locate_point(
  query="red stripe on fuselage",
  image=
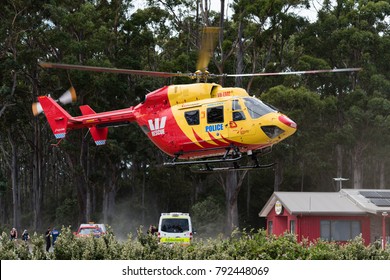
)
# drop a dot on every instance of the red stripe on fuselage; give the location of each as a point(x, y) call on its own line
point(217, 141)
point(206, 144)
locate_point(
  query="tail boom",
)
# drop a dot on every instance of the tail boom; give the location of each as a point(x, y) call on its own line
point(61, 121)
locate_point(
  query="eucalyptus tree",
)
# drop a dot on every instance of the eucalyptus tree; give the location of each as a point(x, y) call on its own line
point(256, 24)
point(20, 49)
point(263, 35)
point(85, 32)
point(298, 156)
point(352, 34)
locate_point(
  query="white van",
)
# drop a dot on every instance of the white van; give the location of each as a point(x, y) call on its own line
point(175, 228)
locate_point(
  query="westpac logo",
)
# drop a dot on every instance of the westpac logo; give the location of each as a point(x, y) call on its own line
point(157, 126)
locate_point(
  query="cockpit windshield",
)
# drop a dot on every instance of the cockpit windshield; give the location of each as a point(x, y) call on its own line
point(256, 108)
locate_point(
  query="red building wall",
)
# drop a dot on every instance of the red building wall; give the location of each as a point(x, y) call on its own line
point(308, 227)
point(280, 223)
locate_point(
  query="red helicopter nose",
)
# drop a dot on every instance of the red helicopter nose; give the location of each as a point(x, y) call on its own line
point(287, 121)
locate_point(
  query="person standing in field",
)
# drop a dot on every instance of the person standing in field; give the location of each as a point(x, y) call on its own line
point(54, 235)
point(48, 239)
point(13, 234)
point(25, 235)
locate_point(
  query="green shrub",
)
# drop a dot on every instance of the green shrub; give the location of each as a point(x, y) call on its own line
point(283, 247)
point(7, 248)
point(356, 250)
point(323, 250)
point(242, 245)
point(38, 245)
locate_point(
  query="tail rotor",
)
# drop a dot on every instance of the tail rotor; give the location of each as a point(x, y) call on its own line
point(67, 97)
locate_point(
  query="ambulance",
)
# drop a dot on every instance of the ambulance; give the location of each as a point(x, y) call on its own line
point(175, 228)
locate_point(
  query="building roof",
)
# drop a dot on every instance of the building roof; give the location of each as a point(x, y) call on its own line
point(345, 202)
point(373, 201)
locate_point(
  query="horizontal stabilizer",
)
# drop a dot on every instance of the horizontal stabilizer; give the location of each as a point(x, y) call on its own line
point(99, 134)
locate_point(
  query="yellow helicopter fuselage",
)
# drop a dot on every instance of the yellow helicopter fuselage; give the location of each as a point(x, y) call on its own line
point(204, 119)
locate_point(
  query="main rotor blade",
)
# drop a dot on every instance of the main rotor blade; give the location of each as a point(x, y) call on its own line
point(208, 44)
point(111, 70)
point(292, 72)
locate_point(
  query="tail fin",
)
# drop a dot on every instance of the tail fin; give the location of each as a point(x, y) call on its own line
point(56, 116)
point(99, 135)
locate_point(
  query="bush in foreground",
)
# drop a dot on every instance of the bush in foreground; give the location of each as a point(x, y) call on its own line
point(240, 245)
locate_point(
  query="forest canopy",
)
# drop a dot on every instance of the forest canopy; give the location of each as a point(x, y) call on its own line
point(343, 119)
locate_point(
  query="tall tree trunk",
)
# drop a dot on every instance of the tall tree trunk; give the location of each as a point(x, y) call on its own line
point(143, 195)
point(109, 202)
point(80, 184)
point(248, 197)
point(14, 181)
point(382, 173)
point(231, 183)
point(339, 164)
point(220, 40)
point(239, 55)
point(339, 160)
point(278, 174)
point(302, 169)
point(231, 193)
point(2, 209)
point(109, 193)
point(204, 9)
point(357, 165)
point(84, 163)
point(81, 198)
point(37, 178)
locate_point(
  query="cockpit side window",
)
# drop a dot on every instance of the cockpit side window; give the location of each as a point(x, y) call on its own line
point(236, 105)
point(237, 113)
point(215, 114)
point(256, 108)
point(192, 117)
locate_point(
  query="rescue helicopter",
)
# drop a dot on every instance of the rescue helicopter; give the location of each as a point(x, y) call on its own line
point(198, 123)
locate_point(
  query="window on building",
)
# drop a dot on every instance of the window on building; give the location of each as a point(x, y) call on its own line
point(292, 226)
point(270, 227)
point(192, 117)
point(340, 230)
point(215, 114)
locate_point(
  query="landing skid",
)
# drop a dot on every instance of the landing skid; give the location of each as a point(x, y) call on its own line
point(230, 157)
point(209, 169)
point(207, 161)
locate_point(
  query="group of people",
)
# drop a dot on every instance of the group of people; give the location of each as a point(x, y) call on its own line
point(50, 236)
point(14, 234)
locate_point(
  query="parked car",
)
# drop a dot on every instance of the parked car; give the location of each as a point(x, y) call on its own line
point(91, 229)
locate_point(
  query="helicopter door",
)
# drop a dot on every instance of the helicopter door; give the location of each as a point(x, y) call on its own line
point(215, 127)
point(238, 125)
